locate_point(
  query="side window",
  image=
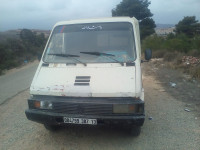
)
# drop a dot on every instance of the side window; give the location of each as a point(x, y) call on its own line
point(56, 44)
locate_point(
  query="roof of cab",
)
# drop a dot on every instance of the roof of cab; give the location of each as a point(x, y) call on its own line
point(96, 20)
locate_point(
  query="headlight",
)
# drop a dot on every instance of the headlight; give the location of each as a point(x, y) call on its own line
point(43, 104)
point(123, 108)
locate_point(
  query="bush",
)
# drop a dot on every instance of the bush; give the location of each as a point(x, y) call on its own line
point(194, 53)
point(158, 54)
point(170, 56)
point(195, 71)
point(153, 42)
point(180, 43)
point(176, 57)
point(173, 47)
point(14, 51)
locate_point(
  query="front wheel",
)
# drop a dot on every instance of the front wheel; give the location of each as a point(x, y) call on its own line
point(135, 130)
point(51, 127)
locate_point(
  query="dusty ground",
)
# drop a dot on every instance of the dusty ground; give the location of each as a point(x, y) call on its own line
point(171, 127)
point(187, 89)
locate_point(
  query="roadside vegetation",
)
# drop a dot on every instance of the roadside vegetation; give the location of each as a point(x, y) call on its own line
point(17, 51)
point(181, 49)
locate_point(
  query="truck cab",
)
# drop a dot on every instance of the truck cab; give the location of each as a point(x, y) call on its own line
point(90, 74)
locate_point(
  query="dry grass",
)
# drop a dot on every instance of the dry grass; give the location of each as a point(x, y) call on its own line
point(195, 53)
point(174, 60)
point(159, 54)
point(175, 57)
point(194, 71)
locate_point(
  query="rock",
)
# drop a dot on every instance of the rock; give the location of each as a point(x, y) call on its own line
point(150, 118)
point(194, 81)
point(186, 109)
point(172, 84)
point(190, 60)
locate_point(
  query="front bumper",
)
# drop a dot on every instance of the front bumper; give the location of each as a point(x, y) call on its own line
point(55, 117)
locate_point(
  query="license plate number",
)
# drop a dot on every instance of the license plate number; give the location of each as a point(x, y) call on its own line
point(80, 121)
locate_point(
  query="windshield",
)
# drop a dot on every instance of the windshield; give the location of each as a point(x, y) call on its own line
point(92, 43)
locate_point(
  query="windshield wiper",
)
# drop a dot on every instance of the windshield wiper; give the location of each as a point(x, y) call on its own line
point(65, 55)
point(97, 53)
point(103, 54)
point(71, 56)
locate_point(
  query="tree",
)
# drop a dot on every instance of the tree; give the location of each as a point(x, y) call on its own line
point(138, 9)
point(27, 35)
point(189, 26)
point(40, 40)
point(147, 26)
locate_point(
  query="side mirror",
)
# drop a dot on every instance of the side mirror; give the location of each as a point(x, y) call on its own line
point(148, 54)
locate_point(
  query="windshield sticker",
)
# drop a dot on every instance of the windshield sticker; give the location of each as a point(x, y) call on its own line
point(62, 29)
point(92, 27)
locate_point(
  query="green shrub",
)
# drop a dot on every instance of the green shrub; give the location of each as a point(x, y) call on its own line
point(169, 56)
point(194, 53)
point(180, 43)
point(1, 72)
point(153, 42)
point(14, 51)
point(159, 54)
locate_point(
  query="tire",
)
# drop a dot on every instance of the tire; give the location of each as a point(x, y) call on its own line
point(135, 130)
point(51, 127)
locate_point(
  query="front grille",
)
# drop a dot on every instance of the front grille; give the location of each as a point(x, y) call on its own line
point(82, 108)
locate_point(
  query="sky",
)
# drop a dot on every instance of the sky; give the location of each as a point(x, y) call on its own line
point(43, 14)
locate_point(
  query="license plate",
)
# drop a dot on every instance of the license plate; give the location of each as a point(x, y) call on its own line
point(80, 121)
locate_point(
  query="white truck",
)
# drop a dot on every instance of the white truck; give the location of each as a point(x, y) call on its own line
point(90, 73)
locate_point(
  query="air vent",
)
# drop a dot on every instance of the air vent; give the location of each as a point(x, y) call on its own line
point(82, 81)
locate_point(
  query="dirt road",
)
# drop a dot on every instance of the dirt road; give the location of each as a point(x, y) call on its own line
point(171, 127)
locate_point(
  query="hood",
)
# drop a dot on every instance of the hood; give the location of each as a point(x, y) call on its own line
point(85, 81)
